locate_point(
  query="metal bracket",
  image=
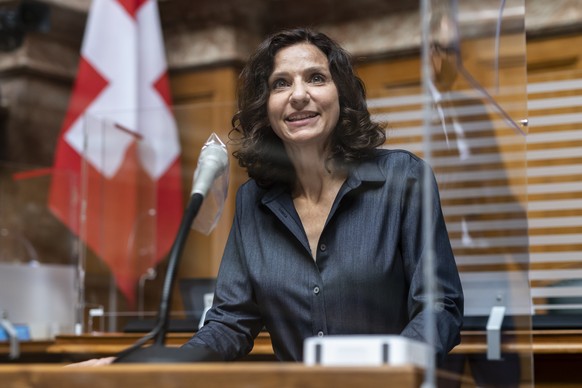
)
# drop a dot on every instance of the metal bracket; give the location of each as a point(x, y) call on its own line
point(12, 335)
point(494, 332)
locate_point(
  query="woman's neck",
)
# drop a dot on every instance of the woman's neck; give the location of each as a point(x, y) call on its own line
point(315, 172)
point(316, 180)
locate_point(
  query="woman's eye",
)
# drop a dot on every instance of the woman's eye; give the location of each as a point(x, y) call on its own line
point(318, 78)
point(280, 83)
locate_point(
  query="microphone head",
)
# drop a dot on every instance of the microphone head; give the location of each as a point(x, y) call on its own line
point(212, 162)
point(214, 153)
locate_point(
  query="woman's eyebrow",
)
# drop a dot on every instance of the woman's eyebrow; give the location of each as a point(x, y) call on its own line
point(311, 69)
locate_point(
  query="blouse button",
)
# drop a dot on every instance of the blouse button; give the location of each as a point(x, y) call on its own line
point(320, 333)
point(322, 247)
point(316, 290)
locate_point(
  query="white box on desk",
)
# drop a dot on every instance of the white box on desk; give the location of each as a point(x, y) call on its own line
point(365, 350)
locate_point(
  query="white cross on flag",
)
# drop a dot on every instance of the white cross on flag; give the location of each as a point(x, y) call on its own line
point(120, 132)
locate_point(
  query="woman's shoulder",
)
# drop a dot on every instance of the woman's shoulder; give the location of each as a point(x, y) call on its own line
point(398, 163)
point(251, 190)
point(396, 157)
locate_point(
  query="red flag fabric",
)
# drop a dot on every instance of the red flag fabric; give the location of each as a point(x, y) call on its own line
point(120, 139)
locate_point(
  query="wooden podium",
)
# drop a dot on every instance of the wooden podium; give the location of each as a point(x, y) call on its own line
point(256, 374)
point(557, 358)
point(208, 375)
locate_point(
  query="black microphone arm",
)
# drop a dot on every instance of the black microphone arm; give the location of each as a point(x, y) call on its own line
point(212, 163)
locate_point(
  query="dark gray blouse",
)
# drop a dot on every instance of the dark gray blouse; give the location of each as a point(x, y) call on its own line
point(367, 277)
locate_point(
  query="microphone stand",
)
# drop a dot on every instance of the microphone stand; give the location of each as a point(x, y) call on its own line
point(158, 352)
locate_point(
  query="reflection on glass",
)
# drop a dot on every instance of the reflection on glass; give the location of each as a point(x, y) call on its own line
point(38, 255)
point(477, 143)
point(126, 212)
point(477, 92)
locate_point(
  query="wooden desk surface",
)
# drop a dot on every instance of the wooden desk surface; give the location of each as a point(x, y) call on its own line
point(209, 375)
point(28, 346)
point(536, 341)
point(112, 343)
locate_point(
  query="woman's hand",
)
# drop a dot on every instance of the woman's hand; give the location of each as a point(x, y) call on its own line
point(93, 362)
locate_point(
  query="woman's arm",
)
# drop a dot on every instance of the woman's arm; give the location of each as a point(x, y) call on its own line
point(448, 307)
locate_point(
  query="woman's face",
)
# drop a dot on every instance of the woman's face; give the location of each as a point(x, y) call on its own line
point(303, 105)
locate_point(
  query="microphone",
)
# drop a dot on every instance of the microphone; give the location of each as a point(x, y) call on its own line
point(212, 163)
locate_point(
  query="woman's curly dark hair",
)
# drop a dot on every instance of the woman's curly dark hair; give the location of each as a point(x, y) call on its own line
point(260, 150)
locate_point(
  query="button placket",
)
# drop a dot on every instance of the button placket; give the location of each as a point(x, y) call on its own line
point(318, 304)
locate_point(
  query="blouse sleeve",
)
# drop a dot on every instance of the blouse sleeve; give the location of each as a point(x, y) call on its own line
point(448, 307)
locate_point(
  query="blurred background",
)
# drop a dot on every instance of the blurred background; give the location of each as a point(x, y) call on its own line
point(507, 136)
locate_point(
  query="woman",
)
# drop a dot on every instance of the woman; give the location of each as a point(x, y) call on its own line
point(326, 238)
point(327, 232)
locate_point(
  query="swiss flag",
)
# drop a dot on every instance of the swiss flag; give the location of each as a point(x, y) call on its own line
point(120, 139)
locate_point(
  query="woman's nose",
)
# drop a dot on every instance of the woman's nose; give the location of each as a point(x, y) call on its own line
point(299, 93)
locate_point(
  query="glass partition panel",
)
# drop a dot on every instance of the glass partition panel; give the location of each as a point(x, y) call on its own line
point(461, 106)
point(38, 255)
point(138, 170)
point(474, 81)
